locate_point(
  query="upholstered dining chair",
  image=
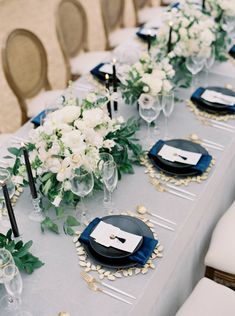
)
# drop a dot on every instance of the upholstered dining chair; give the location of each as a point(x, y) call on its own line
point(113, 15)
point(72, 30)
point(25, 66)
point(209, 299)
point(220, 257)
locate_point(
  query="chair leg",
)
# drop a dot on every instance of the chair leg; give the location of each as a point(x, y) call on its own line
point(209, 273)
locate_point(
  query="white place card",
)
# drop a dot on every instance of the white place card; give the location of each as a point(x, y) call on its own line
point(112, 236)
point(175, 154)
point(218, 97)
point(148, 31)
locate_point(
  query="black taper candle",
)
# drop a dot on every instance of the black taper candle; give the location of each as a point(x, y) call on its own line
point(115, 103)
point(108, 103)
point(203, 4)
point(149, 38)
point(10, 211)
point(29, 172)
point(169, 40)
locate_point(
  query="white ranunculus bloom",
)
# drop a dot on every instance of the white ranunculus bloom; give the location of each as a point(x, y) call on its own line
point(108, 143)
point(67, 114)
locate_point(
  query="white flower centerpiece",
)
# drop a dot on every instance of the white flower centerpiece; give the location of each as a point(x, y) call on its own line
point(73, 137)
point(147, 76)
point(186, 31)
point(223, 11)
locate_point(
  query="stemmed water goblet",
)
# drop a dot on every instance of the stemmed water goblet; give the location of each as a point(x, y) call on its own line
point(9, 275)
point(194, 65)
point(110, 179)
point(149, 110)
point(209, 61)
point(168, 107)
point(82, 184)
point(103, 158)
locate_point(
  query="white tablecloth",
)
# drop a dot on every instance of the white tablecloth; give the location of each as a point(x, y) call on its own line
point(58, 286)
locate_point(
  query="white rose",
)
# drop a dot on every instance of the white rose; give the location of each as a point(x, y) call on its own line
point(108, 143)
point(67, 114)
point(91, 97)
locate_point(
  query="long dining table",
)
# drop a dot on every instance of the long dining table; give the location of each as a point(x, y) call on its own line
point(58, 285)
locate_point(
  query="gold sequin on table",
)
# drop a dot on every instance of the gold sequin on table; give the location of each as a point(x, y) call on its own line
point(157, 178)
point(202, 116)
point(112, 275)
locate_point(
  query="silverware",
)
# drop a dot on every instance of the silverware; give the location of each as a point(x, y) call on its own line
point(195, 137)
point(90, 279)
point(222, 124)
point(178, 194)
point(171, 186)
point(95, 288)
point(143, 210)
point(161, 225)
point(211, 146)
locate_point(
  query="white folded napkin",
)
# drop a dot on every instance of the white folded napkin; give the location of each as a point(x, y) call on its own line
point(148, 31)
point(107, 68)
point(112, 236)
point(175, 154)
point(218, 97)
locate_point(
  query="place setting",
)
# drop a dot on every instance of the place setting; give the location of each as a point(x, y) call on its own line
point(175, 162)
point(213, 106)
point(116, 246)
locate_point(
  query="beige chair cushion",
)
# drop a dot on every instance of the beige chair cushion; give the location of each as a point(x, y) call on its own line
point(209, 299)
point(121, 35)
point(3, 138)
point(42, 101)
point(221, 253)
point(84, 62)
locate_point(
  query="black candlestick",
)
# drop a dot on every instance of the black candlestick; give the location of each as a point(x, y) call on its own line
point(108, 103)
point(149, 37)
point(203, 4)
point(30, 175)
point(115, 103)
point(10, 211)
point(169, 40)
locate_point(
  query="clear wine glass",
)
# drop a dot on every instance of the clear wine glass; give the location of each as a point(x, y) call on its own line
point(110, 179)
point(209, 61)
point(5, 177)
point(11, 303)
point(5, 260)
point(149, 110)
point(228, 23)
point(103, 158)
point(82, 184)
point(194, 65)
point(168, 106)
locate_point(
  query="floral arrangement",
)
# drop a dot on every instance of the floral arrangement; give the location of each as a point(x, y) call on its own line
point(223, 12)
point(217, 8)
point(147, 76)
point(73, 137)
point(187, 31)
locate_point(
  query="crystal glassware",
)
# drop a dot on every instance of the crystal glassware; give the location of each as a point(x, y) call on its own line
point(103, 158)
point(82, 184)
point(110, 179)
point(168, 106)
point(11, 303)
point(194, 65)
point(149, 110)
point(209, 61)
